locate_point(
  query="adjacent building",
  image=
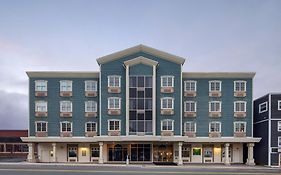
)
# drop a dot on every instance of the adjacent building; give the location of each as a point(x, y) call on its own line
point(267, 125)
point(141, 108)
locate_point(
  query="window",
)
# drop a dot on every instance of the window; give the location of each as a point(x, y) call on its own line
point(167, 81)
point(215, 127)
point(189, 106)
point(240, 106)
point(90, 85)
point(41, 126)
point(113, 125)
point(215, 106)
point(65, 85)
point(196, 151)
point(239, 86)
point(190, 127)
point(114, 81)
point(41, 106)
point(90, 106)
point(214, 86)
point(167, 103)
point(65, 106)
point(41, 85)
point(95, 152)
point(239, 126)
point(91, 127)
point(190, 85)
point(279, 126)
point(167, 125)
point(279, 105)
point(263, 107)
point(114, 103)
point(66, 127)
point(279, 141)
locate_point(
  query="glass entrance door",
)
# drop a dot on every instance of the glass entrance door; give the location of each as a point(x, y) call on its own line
point(117, 153)
point(163, 153)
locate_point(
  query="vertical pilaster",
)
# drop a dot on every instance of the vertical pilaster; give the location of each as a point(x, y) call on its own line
point(154, 101)
point(127, 100)
point(101, 152)
point(31, 156)
point(54, 152)
point(250, 160)
point(180, 154)
point(226, 154)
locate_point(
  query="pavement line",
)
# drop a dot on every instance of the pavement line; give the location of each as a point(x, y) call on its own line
point(134, 172)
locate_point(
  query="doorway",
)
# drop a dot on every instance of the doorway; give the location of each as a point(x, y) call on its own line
point(163, 153)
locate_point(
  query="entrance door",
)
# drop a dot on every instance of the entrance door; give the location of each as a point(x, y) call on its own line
point(72, 153)
point(117, 153)
point(163, 153)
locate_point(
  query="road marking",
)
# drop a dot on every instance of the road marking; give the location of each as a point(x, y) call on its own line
point(133, 172)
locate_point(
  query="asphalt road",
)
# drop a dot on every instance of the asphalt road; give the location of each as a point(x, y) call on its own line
point(137, 170)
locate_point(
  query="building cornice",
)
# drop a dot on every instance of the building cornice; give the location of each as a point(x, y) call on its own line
point(219, 74)
point(62, 74)
point(140, 60)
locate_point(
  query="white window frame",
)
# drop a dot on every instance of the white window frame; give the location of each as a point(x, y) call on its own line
point(108, 124)
point(41, 102)
point(214, 102)
point(279, 105)
point(167, 77)
point(44, 89)
point(279, 126)
point(190, 81)
point(113, 98)
point(214, 81)
point(245, 106)
point(237, 123)
point(214, 123)
point(68, 83)
point(240, 81)
point(167, 120)
point(61, 104)
point(167, 98)
point(96, 127)
point(36, 129)
point(95, 85)
point(195, 106)
point(260, 111)
point(66, 122)
point(113, 76)
point(93, 103)
point(279, 141)
point(190, 123)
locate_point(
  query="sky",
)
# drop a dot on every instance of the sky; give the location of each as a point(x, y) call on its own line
point(217, 35)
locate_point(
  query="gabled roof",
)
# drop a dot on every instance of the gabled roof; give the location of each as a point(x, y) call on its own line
point(141, 48)
point(141, 60)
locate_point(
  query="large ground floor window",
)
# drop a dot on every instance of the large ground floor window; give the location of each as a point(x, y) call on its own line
point(140, 152)
point(117, 152)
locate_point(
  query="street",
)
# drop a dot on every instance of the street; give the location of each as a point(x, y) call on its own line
point(26, 169)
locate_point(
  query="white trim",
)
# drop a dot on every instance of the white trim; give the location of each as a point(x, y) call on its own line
point(266, 107)
point(245, 106)
point(154, 101)
point(127, 99)
point(41, 81)
point(167, 120)
point(181, 95)
point(64, 101)
point(269, 130)
point(114, 76)
point(214, 102)
point(167, 76)
point(36, 129)
point(108, 103)
point(100, 101)
point(214, 123)
point(66, 122)
point(215, 81)
point(65, 81)
point(261, 121)
point(140, 60)
point(190, 81)
point(279, 126)
point(167, 98)
point(91, 81)
point(240, 122)
point(195, 128)
point(94, 103)
point(195, 106)
point(91, 122)
point(108, 124)
point(41, 101)
point(279, 105)
point(239, 81)
point(279, 141)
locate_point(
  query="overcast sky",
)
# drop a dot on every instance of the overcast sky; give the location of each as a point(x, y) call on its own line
point(217, 35)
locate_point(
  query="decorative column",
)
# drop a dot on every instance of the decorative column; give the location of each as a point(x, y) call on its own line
point(154, 101)
point(101, 151)
point(127, 100)
point(250, 160)
point(31, 156)
point(226, 154)
point(54, 152)
point(180, 154)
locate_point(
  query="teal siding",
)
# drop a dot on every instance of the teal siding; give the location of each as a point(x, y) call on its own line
point(140, 69)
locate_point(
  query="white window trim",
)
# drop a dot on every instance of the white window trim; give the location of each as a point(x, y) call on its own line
point(195, 106)
point(245, 124)
point(108, 103)
point(279, 126)
point(63, 102)
point(279, 141)
point(214, 81)
point(261, 105)
point(214, 102)
point(167, 76)
point(66, 122)
point(36, 129)
point(91, 81)
point(37, 81)
point(40, 101)
point(214, 122)
point(91, 131)
point(190, 81)
point(68, 81)
point(115, 76)
point(245, 106)
point(166, 98)
point(108, 124)
point(166, 120)
point(279, 105)
point(239, 81)
point(195, 128)
point(95, 104)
